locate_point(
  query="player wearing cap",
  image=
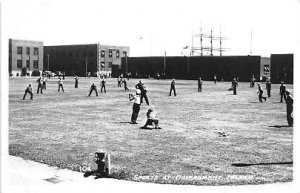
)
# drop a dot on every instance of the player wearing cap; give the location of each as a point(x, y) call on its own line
point(93, 88)
point(172, 87)
point(28, 90)
point(103, 82)
point(268, 87)
point(234, 85)
point(260, 93)
point(136, 105)
point(282, 89)
point(289, 108)
point(199, 85)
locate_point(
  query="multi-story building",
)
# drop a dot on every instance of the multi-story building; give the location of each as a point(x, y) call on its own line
point(25, 57)
point(109, 58)
point(82, 60)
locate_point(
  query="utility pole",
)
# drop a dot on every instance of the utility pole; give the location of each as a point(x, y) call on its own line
point(165, 61)
point(48, 61)
point(86, 62)
point(192, 48)
point(126, 62)
point(211, 38)
point(220, 42)
point(201, 46)
point(251, 44)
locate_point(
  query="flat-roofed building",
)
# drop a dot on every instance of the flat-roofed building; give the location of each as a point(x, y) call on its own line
point(86, 59)
point(25, 57)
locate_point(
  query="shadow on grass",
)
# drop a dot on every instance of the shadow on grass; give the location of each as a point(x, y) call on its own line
point(279, 126)
point(124, 122)
point(260, 164)
point(96, 174)
point(120, 174)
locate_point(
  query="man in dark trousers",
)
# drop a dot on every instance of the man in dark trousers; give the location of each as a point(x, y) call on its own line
point(289, 108)
point(234, 85)
point(136, 105)
point(252, 80)
point(93, 88)
point(268, 87)
point(28, 90)
point(40, 85)
point(282, 92)
point(199, 85)
point(103, 82)
point(60, 85)
point(44, 80)
point(125, 85)
point(260, 93)
point(119, 81)
point(143, 90)
point(76, 81)
point(172, 87)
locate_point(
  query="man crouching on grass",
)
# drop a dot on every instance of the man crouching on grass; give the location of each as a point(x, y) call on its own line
point(136, 105)
point(151, 119)
point(28, 90)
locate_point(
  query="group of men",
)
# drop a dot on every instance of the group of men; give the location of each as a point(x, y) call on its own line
point(141, 92)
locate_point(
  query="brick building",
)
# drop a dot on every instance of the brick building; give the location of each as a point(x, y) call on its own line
point(90, 59)
point(25, 57)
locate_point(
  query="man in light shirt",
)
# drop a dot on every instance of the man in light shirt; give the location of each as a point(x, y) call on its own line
point(136, 105)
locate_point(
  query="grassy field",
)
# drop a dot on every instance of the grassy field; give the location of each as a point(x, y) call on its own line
point(65, 129)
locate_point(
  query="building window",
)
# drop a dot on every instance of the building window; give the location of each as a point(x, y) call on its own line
point(102, 65)
point(19, 50)
point(117, 54)
point(27, 50)
point(124, 54)
point(27, 63)
point(35, 51)
point(35, 64)
point(19, 63)
point(109, 64)
point(102, 53)
point(110, 53)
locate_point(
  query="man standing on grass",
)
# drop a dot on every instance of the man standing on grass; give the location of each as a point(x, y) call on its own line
point(44, 80)
point(199, 85)
point(215, 78)
point(76, 81)
point(172, 87)
point(103, 82)
point(260, 93)
point(28, 90)
point(40, 85)
point(268, 87)
point(136, 105)
point(289, 108)
point(60, 85)
point(234, 85)
point(143, 90)
point(252, 81)
point(125, 85)
point(93, 88)
point(119, 81)
point(282, 92)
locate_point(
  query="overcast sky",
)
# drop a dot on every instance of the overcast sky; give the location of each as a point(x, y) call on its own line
point(150, 27)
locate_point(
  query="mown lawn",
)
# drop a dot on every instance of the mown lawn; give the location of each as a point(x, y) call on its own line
point(65, 129)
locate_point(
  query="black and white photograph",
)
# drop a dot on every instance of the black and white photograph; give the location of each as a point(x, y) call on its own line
point(149, 95)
